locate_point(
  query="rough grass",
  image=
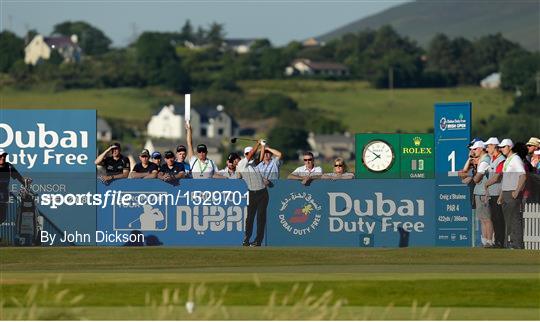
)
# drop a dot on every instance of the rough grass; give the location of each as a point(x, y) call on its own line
point(269, 283)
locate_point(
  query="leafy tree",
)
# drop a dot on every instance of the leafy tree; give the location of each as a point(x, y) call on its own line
point(274, 104)
point(30, 34)
point(290, 140)
point(187, 32)
point(200, 36)
point(454, 58)
point(215, 35)
point(160, 63)
point(518, 69)
point(260, 45)
point(518, 127)
point(91, 39)
point(12, 49)
point(491, 50)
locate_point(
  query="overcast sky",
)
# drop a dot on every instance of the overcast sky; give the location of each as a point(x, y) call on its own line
point(278, 20)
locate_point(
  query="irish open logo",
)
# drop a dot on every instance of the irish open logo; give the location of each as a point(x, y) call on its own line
point(299, 214)
point(442, 123)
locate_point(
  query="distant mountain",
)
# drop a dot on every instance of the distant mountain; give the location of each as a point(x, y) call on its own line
point(517, 20)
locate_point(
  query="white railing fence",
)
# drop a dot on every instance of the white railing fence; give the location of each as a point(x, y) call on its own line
point(531, 226)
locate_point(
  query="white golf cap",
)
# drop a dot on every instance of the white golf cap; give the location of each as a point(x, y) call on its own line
point(507, 142)
point(492, 140)
point(537, 152)
point(2, 152)
point(247, 149)
point(477, 144)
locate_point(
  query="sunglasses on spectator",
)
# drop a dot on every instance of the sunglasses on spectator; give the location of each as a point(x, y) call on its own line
point(306, 160)
point(338, 165)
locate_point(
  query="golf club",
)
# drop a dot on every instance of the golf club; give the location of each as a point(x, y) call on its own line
point(233, 140)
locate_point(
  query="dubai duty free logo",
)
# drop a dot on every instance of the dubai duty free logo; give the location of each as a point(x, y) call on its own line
point(299, 214)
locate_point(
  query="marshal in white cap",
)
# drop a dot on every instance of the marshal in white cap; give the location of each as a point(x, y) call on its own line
point(478, 144)
point(492, 140)
point(506, 142)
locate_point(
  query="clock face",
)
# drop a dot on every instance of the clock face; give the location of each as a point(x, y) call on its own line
point(378, 156)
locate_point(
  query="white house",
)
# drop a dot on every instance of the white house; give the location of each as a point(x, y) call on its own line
point(307, 67)
point(206, 122)
point(492, 81)
point(240, 46)
point(103, 129)
point(40, 48)
point(330, 146)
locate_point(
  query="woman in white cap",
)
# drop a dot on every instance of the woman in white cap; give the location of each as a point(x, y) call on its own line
point(481, 201)
point(493, 189)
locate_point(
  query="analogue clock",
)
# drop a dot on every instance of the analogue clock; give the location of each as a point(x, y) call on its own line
point(378, 156)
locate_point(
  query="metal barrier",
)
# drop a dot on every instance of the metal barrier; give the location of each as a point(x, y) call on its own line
point(531, 226)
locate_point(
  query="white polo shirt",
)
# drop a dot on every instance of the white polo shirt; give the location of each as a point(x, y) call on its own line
point(303, 171)
point(202, 170)
point(513, 168)
point(251, 175)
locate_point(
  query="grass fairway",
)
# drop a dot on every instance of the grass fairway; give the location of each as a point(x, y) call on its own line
point(269, 283)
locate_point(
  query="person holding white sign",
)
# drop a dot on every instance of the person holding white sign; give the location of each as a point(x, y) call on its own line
point(201, 167)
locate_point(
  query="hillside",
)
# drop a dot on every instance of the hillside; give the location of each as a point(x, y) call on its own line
point(360, 107)
point(517, 20)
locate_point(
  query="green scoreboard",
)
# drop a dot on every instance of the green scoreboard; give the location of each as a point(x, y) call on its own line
point(395, 156)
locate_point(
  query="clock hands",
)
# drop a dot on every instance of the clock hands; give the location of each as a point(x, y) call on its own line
point(377, 156)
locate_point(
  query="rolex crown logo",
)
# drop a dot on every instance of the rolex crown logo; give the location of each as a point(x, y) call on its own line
point(417, 141)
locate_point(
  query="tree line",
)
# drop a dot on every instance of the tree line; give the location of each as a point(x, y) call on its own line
point(162, 58)
point(166, 59)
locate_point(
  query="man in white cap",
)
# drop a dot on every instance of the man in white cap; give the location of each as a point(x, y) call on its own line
point(258, 196)
point(532, 145)
point(479, 192)
point(493, 189)
point(7, 171)
point(513, 183)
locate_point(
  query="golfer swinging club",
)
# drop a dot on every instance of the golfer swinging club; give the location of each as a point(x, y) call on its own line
point(258, 196)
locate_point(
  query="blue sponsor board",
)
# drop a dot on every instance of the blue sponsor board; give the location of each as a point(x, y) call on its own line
point(453, 205)
point(56, 149)
point(194, 213)
point(352, 213)
point(49, 140)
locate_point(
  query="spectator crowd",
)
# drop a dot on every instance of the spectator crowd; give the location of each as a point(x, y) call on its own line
point(503, 177)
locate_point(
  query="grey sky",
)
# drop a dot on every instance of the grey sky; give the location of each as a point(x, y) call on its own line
point(280, 21)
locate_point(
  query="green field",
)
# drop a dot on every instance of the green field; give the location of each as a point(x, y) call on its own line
point(365, 109)
point(361, 108)
point(269, 283)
